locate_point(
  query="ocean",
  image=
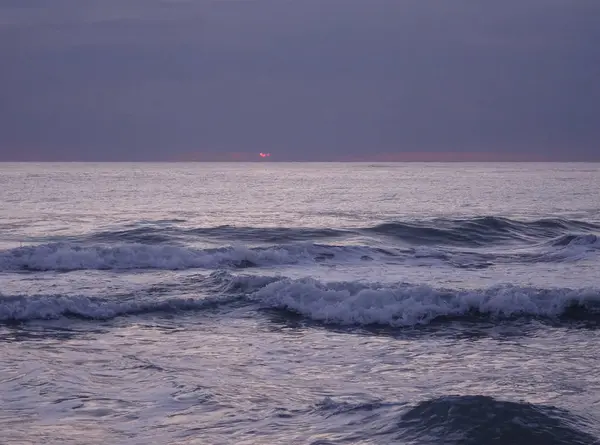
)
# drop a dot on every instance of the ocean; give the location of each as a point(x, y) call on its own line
point(301, 303)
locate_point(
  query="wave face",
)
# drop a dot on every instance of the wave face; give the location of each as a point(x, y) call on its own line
point(466, 232)
point(403, 305)
point(459, 419)
point(481, 420)
point(46, 307)
point(153, 234)
point(481, 231)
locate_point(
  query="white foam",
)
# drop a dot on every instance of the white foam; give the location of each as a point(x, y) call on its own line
point(408, 305)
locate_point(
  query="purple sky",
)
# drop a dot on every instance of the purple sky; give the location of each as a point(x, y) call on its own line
point(302, 79)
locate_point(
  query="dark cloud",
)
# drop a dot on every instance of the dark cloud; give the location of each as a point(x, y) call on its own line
point(304, 79)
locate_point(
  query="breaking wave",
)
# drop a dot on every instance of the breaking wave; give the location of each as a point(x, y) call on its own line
point(339, 303)
point(455, 242)
point(68, 257)
point(403, 305)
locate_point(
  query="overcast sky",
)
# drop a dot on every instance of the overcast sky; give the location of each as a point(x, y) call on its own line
point(303, 79)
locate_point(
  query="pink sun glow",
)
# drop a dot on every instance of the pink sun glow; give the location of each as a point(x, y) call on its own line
point(265, 155)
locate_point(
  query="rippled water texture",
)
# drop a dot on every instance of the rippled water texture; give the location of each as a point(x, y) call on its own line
point(299, 303)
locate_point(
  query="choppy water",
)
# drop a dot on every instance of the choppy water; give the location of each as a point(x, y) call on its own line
point(299, 303)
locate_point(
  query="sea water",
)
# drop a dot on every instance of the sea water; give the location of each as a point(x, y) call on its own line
point(272, 303)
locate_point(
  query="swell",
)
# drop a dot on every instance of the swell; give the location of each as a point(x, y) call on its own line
point(151, 234)
point(457, 419)
point(481, 231)
point(470, 232)
point(45, 307)
point(482, 419)
point(336, 303)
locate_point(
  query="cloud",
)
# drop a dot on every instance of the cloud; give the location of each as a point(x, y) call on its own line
point(310, 79)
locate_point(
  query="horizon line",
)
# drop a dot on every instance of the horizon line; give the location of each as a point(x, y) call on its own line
point(260, 157)
point(260, 161)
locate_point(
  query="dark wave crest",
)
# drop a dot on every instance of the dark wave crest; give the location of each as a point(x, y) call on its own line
point(466, 420)
point(589, 239)
point(21, 308)
point(481, 420)
point(218, 289)
point(153, 234)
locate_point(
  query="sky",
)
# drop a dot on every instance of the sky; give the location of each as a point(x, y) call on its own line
point(305, 80)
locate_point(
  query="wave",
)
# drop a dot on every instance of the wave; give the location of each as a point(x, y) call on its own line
point(458, 419)
point(565, 248)
point(482, 420)
point(576, 240)
point(337, 303)
point(69, 257)
point(406, 305)
point(130, 256)
point(21, 308)
point(470, 232)
point(160, 234)
point(480, 231)
point(217, 289)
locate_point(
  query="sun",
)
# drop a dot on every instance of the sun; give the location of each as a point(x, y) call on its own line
point(264, 155)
